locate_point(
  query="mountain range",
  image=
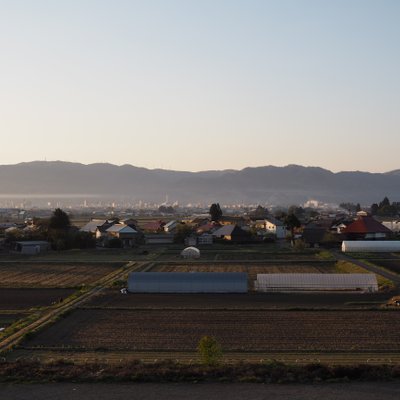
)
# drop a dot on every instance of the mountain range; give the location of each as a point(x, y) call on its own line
point(292, 184)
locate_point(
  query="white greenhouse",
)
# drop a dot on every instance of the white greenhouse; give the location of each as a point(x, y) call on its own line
point(190, 252)
point(187, 282)
point(316, 282)
point(374, 246)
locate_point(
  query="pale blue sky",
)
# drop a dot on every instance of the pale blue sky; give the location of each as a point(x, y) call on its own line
point(194, 85)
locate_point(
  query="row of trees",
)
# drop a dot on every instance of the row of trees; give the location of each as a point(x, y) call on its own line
point(385, 208)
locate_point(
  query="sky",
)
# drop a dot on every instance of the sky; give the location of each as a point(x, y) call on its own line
point(199, 85)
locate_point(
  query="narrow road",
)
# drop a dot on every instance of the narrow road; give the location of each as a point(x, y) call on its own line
point(376, 270)
point(7, 343)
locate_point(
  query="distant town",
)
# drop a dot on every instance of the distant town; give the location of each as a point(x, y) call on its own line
point(114, 225)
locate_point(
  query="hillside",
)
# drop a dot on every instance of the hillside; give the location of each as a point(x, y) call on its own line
point(276, 185)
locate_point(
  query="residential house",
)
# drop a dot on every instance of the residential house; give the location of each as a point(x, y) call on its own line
point(170, 226)
point(366, 227)
point(232, 233)
point(154, 226)
point(392, 224)
point(97, 227)
point(124, 233)
point(276, 227)
point(232, 220)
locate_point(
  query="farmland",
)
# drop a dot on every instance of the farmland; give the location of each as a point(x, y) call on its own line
point(112, 299)
point(237, 253)
point(21, 299)
point(52, 275)
point(9, 318)
point(105, 323)
point(236, 330)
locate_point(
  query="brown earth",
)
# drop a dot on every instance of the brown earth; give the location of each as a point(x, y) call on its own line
point(236, 330)
point(24, 299)
point(51, 275)
point(114, 299)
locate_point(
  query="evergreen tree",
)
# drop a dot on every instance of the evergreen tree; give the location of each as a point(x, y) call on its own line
point(59, 220)
point(215, 212)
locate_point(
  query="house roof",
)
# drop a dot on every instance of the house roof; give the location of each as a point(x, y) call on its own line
point(153, 226)
point(121, 228)
point(274, 221)
point(33, 243)
point(206, 227)
point(93, 225)
point(230, 230)
point(170, 223)
point(366, 224)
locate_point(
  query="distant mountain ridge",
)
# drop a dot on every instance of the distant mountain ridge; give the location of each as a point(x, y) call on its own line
point(292, 184)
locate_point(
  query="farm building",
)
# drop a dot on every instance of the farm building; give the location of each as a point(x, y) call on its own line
point(190, 252)
point(31, 247)
point(187, 282)
point(315, 282)
point(370, 246)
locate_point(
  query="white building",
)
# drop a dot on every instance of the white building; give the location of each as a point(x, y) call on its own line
point(170, 226)
point(276, 227)
point(393, 225)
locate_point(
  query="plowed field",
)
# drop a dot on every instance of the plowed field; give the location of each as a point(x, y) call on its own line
point(51, 275)
point(236, 330)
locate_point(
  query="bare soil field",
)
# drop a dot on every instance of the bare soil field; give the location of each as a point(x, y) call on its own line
point(52, 275)
point(231, 254)
point(114, 299)
point(236, 330)
point(24, 299)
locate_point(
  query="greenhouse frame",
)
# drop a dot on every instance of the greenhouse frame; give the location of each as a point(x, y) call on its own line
point(187, 282)
point(316, 282)
point(374, 246)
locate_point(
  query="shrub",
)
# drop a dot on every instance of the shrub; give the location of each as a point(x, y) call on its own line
point(209, 350)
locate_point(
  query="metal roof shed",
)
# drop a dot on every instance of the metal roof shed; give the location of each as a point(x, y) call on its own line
point(187, 282)
point(315, 282)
